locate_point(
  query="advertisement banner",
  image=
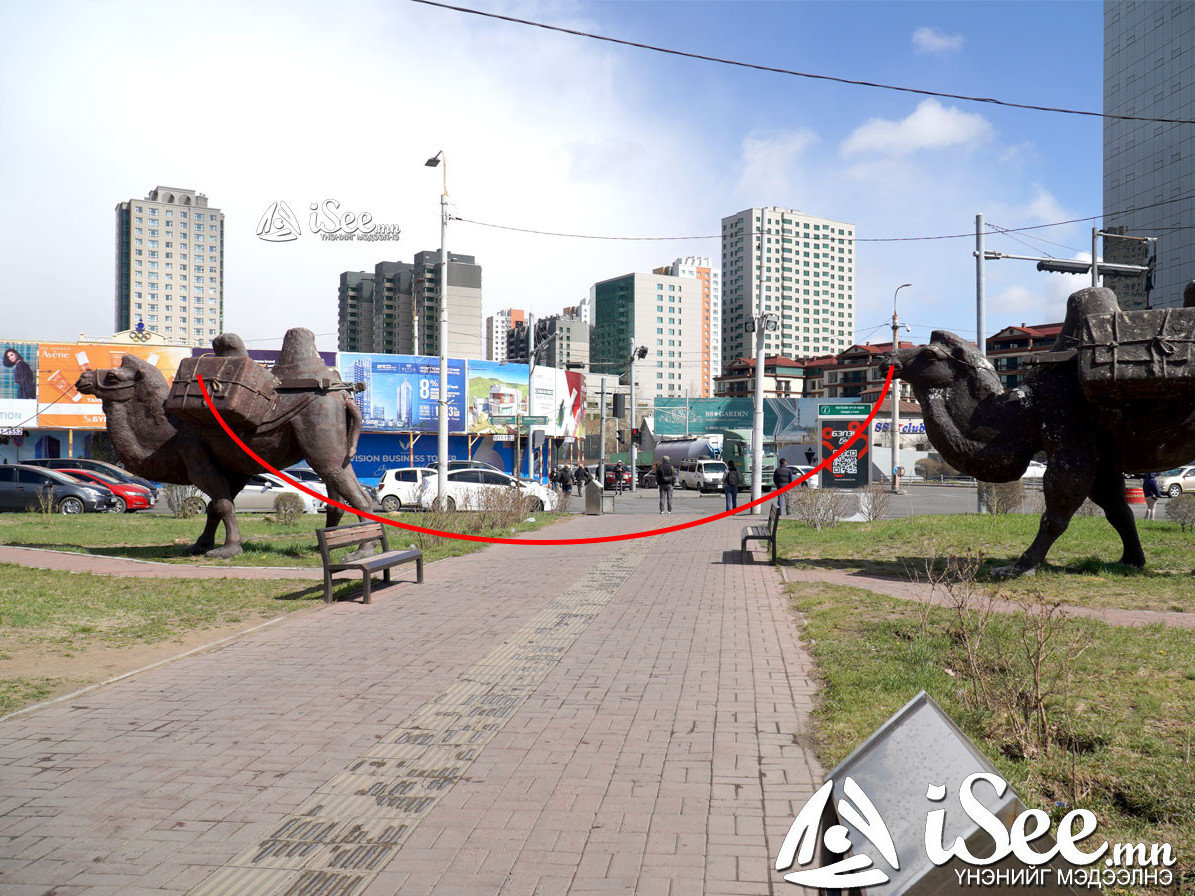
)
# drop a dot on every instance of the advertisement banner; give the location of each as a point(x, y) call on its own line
point(498, 393)
point(18, 387)
point(850, 469)
point(402, 392)
point(59, 365)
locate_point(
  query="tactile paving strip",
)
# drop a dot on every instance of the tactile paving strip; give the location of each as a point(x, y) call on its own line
point(351, 827)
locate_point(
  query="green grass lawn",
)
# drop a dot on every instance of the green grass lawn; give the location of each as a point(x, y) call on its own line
point(164, 538)
point(1125, 738)
point(1081, 567)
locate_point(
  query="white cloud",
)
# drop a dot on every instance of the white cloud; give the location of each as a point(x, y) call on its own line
point(768, 167)
point(933, 42)
point(930, 126)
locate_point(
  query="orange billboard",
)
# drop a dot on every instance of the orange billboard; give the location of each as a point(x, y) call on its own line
point(60, 405)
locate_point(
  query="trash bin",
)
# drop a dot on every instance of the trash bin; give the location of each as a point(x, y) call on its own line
point(593, 499)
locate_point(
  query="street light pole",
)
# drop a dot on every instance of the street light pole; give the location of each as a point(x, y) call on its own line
point(442, 419)
point(896, 396)
point(760, 361)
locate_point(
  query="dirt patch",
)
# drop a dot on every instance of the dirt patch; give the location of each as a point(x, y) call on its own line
point(100, 663)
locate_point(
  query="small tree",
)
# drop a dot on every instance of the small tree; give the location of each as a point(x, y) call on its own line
point(288, 509)
point(184, 501)
point(874, 501)
point(1002, 497)
point(1182, 511)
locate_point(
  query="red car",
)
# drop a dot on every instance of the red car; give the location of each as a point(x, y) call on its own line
point(128, 497)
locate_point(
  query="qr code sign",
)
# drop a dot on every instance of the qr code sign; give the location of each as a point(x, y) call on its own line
point(847, 463)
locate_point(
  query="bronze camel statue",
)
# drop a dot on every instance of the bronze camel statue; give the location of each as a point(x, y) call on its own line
point(992, 433)
point(321, 427)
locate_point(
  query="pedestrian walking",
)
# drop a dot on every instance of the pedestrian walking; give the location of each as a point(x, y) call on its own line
point(1152, 494)
point(620, 472)
point(730, 485)
point(781, 478)
point(566, 480)
point(665, 478)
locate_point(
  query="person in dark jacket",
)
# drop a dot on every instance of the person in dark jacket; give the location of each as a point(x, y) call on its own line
point(665, 479)
point(22, 374)
point(730, 485)
point(1152, 494)
point(566, 480)
point(781, 478)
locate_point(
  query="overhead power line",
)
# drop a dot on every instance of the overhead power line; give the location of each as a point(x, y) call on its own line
point(796, 74)
point(859, 239)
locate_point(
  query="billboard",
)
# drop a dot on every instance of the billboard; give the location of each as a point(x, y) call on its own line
point(59, 364)
point(498, 391)
point(402, 392)
point(18, 387)
point(839, 423)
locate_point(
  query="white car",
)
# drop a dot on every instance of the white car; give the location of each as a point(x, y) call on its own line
point(1035, 470)
point(1174, 482)
point(260, 493)
point(701, 473)
point(470, 489)
point(400, 488)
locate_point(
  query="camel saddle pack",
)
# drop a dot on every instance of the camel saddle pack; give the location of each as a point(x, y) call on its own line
point(1128, 355)
point(244, 392)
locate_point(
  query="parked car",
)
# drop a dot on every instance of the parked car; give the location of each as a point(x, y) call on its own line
point(701, 473)
point(400, 488)
point(259, 494)
point(1174, 482)
point(126, 496)
point(800, 470)
point(305, 475)
point(471, 465)
point(25, 487)
point(86, 463)
point(470, 489)
point(1035, 470)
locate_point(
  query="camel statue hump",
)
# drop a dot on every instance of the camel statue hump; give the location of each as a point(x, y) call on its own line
point(299, 356)
point(229, 345)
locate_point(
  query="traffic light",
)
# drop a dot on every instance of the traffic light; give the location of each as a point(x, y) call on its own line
point(620, 405)
point(620, 436)
point(1063, 266)
point(637, 437)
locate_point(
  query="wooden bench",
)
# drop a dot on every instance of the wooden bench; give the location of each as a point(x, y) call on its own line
point(763, 533)
point(357, 534)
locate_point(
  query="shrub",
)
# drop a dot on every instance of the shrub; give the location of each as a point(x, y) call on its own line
point(1182, 511)
point(933, 467)
point(819, 508)
point(874, 501)
point(1002, 497)
point(288, 509)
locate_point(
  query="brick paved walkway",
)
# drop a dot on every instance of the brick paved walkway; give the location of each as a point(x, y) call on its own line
point(604, 718)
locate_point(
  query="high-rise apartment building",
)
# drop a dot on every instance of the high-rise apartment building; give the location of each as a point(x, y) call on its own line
point(664, 314)
point(395, 309)
point(170, 265)
point(804, 269)
point(566, 339)
point(496, 326)
point(1149, 166)
point(710, 277)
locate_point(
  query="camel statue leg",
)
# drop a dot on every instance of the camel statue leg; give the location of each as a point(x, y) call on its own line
point(221, 489)
point(1068, 481)
point(1108, 493)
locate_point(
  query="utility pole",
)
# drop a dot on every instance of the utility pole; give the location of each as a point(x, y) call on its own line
point(602, 435)
point(896, 396)
point(633, 449)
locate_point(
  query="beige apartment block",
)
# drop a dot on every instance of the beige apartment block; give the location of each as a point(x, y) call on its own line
point(170, 265)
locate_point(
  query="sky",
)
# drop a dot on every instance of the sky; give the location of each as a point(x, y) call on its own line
point(302, 102)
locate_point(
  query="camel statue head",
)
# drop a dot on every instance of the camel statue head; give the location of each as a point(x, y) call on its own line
point(123, 383)
point(946, 361)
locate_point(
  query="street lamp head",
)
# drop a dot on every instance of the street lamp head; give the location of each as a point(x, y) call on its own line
point(434, 160)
